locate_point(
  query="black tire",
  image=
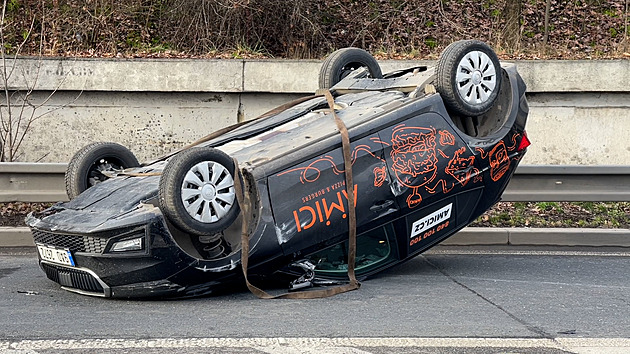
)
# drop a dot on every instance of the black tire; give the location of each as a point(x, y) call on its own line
point(214, 191)
point(474, 92)
point(84, 169)
point(342, 62)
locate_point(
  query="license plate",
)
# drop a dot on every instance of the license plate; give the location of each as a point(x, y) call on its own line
point(56, 255)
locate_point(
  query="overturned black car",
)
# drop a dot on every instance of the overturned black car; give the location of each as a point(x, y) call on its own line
point(430, 150)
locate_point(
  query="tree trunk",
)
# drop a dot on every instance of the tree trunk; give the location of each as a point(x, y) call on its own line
point(512, 28)
point(546, 35)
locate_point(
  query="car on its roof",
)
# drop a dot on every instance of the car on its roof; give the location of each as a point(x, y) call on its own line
point(430, 149)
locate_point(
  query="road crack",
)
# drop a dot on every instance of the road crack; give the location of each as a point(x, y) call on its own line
point(540, 332)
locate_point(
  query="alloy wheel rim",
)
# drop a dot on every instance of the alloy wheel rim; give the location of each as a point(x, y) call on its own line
point(476, 77)
point(208, 192)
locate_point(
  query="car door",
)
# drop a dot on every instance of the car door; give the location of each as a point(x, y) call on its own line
point(431, 169)
point(310, 202)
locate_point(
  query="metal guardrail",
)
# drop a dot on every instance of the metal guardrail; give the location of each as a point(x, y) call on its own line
point(44, 182)
point(569, 184)
point(32, 182)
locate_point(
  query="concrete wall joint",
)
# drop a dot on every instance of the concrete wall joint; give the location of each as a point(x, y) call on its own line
point(277, 76)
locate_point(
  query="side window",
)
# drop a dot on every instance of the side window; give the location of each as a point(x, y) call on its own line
point(375, 249)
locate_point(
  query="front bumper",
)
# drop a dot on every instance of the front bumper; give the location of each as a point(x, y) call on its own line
point(161, 268)
point(76, 279)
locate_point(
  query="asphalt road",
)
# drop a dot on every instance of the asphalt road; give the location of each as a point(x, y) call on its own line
point(453, 299)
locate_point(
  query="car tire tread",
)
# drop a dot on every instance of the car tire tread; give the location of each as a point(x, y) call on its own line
point(75, 178)
point(169, 192)
point(446, 70)
point(331, 67)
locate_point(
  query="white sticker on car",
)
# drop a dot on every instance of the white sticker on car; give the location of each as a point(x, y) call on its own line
point(431, 220)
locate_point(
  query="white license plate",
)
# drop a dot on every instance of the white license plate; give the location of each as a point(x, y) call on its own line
point(56, 255)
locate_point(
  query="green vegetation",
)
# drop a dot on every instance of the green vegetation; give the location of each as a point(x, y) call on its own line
point(557, 214)
point(613, 32)
point(13, 5)
point(313, 28)
point(610, 12)
point(431, 42)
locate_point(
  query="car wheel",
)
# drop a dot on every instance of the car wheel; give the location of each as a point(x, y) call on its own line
point(344, 61)
point(468, 77)
point(196, 191)
point(88, 164)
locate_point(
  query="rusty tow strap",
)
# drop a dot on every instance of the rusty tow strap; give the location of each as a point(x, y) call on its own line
point(248, 215)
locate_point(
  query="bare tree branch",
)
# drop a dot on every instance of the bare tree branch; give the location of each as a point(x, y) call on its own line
point(19, 112)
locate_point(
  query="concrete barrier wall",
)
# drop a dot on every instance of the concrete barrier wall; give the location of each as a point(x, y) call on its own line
point(580, 110)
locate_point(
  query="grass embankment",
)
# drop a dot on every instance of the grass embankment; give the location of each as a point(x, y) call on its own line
point(557, 214)
point(540, 214)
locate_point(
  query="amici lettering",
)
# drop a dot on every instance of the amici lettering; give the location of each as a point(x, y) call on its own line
point(323, 210)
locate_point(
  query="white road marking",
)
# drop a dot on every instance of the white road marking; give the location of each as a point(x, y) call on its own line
point(596, 345)
point(314, 350)
point(322, 345)
point(527, 253)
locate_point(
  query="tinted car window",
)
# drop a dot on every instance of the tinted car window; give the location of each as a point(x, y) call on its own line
point(375, 248)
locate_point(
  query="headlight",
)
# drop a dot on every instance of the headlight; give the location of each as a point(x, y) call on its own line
point(134, 244)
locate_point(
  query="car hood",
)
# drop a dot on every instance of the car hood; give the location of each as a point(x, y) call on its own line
point(118, 202)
